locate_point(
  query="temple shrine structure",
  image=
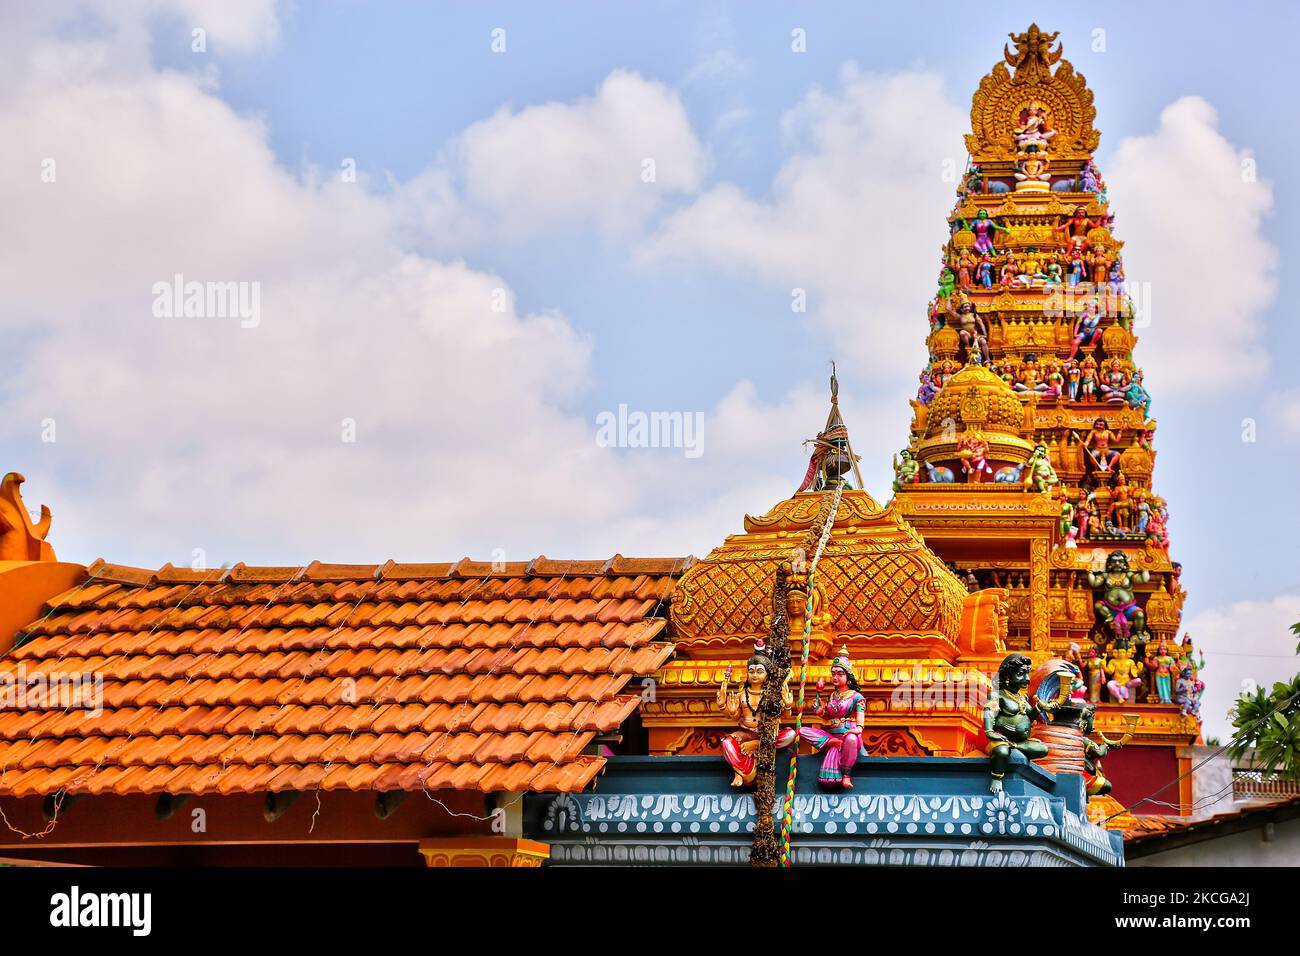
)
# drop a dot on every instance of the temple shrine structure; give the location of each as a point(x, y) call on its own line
point(1031, 459)
point(931, 680)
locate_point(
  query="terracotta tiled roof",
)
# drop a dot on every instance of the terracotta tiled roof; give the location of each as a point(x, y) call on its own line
point(391, 677)
point(1156, 827)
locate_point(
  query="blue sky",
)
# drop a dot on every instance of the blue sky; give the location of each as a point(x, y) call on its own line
point(476, 439)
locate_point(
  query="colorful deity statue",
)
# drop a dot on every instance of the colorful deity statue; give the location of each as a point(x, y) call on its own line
point(907, 470)
point(1097, 444)
point(1101, 263)
point(1009, 717)
point(1053, 274)
point(984, 229)
point(1116, 606)
point(1115, 383)
point(1142, 509)
point(1157, 531)
point(946, 371)
point(1031, 170)
point(1120, 512)
point(966, 272)
point(741, 703)
point(1188, 654)
point(1116, 281)
point(1010, 271)
point(1087, 329)
point(1007, 372)
point(973, 452)
point(1075, 264)
point(843, 715)
point(1187, 692)
point(1137, 396)
point(1094, 779)
point(1090, 180)
point(947, 283)
point(1124, 672)
point(1162, 665)
point(984, 272)
point(1072, 375)
point(1040, 475)
point(1030, 380)
point(1095, 669)
point(1066, 522)
point(972, 332)
point(1054, 380)
point(1078, 225)
point(925, 394)
point(1083, 512)
point(1088, 380)
point(1034, 127)
point(1146, 436)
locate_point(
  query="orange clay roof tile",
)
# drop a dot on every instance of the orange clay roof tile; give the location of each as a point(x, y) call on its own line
point(374, 676)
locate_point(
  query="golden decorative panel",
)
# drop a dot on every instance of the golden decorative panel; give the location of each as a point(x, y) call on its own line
point(875, 576)
point(1002, 94)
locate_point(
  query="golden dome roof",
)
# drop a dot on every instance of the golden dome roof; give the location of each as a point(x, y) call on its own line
point(875, 577)
point(975, 400)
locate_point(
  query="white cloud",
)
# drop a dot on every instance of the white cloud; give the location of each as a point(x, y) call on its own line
point(1247, 644)
point(608, 160)
point(1191, 219)
point(847, 217)
point(1286, 406)
point(177, 434)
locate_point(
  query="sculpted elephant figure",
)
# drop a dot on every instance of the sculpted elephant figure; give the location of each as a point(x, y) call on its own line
point(1009, 474)
point(940, 475)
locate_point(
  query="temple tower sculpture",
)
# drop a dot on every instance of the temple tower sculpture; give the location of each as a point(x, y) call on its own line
point(1030, 462)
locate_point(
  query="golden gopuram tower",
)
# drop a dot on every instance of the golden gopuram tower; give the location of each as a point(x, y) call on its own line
point(1024, 516)
point(1031, 460)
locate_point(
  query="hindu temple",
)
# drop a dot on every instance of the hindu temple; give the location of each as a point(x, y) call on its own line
point(933, 679)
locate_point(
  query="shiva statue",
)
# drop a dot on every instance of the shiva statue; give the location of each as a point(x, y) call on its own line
point(1116, 606)
point(843, 715)
point(741, 704)
point(1009, 717)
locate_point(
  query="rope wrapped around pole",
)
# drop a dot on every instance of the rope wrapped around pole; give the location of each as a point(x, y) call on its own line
point(827, 519)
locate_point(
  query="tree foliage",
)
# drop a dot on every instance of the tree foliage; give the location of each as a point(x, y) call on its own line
point(1269, 722)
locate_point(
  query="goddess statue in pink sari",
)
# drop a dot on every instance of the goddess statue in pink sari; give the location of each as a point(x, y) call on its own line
point(843, 714)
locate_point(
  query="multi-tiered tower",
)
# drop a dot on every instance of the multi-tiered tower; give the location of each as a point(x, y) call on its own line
point(1030, 460)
